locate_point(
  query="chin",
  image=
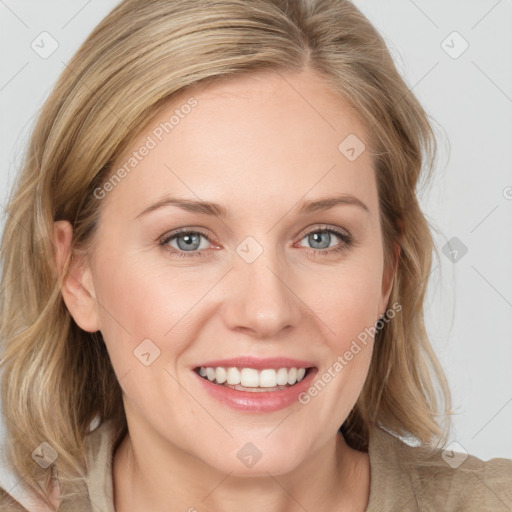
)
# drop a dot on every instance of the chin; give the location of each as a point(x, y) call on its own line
point(252, 460)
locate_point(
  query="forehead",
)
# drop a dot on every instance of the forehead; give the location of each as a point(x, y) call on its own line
point(264, 136)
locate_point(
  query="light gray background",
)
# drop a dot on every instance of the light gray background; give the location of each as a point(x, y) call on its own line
point(469, 311)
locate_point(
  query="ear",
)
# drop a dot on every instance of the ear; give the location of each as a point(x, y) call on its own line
point(388, 278)
point(76, 281)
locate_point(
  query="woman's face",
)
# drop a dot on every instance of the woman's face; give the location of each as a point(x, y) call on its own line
point(272, 278)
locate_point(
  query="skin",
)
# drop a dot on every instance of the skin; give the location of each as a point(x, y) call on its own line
point(252, 144)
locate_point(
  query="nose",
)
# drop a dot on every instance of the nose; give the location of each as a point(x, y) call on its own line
point(260, 299)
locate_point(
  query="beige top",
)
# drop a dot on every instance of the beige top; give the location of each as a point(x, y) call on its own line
point(403, 478)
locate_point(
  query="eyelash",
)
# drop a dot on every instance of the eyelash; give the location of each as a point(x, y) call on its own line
point(347, 243)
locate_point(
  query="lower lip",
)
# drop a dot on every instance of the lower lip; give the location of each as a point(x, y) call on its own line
point(261, 401)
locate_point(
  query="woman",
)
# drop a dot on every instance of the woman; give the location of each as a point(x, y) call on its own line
point(227, 270)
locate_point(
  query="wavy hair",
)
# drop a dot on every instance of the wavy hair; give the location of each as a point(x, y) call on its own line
point(56, 378)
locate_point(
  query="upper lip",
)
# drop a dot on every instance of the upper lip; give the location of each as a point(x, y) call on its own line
point(258, 363)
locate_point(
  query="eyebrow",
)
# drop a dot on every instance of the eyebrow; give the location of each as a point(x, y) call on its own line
point(217, 210)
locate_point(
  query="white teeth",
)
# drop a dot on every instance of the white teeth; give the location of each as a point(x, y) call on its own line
point(292, 376)
point(210, 373)
point(267, 379)
point(282, 377)
point(252, 378)
point(233, 376)
point(249, 378)
point(220, 375)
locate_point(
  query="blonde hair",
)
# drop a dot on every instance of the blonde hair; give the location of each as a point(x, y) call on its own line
point(56, 378)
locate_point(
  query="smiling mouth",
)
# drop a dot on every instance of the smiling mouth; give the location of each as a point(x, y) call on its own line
point(253, 380)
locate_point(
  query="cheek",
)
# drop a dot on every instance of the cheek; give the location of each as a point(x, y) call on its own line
point(143, 318)
point(349, 307)
point(137, 303)
point(349, 303)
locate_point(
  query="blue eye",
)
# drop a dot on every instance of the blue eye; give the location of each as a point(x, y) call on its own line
point(188, 243)
point(319, 238)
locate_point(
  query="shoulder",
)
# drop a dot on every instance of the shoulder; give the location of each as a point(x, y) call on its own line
point(98, 447)
point(22, 499)
point(436, 479)
point(8, 503)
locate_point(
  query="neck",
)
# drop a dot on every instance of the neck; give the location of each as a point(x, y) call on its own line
point(152, 476)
